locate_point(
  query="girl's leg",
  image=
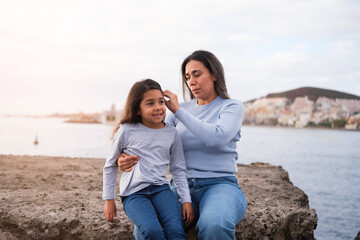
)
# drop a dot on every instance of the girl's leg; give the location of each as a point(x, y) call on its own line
point(168, 211)
point(222, 206)
point(140, 210)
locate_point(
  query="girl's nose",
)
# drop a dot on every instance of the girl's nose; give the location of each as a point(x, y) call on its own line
point(157, 106)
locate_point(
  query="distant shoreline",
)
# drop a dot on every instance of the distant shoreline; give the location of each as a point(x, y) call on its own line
point(288, 127)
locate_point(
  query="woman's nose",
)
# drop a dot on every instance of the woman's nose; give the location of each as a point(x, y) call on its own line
point(191, 81)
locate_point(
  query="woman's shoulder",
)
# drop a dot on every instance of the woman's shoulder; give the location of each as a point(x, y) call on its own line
point(233, 105)
point(188, 103)
point(231, 102)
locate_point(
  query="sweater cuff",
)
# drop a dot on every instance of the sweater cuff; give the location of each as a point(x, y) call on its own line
point(180, 114)
point(182, 200)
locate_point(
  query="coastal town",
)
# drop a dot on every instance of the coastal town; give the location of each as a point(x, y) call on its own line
point(304, 112)
point(299, 108)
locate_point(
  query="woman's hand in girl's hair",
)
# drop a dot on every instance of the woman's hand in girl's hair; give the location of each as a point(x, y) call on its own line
point(126, 162)
point(110, 210)
point(188, 213)
point(172, 103)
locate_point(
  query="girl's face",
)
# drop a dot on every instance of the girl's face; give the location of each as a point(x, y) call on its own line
point(200, 81)
point(153, 109)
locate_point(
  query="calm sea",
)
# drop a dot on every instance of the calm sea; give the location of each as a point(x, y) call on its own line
point(323, 163)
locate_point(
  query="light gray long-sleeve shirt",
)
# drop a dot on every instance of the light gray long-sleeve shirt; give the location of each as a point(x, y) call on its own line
point(156, 148)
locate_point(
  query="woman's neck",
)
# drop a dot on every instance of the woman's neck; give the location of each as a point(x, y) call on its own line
point(207, 100)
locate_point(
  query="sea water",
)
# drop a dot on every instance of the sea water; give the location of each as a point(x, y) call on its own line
point(325, 164)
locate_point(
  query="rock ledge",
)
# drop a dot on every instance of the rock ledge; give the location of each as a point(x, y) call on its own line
point(60, 198)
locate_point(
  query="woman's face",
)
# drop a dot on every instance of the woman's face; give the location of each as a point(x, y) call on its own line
point(200, 81)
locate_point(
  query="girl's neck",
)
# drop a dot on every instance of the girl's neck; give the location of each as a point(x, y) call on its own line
point(154, 126)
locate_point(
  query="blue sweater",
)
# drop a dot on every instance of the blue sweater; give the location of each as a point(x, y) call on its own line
point(209, 134)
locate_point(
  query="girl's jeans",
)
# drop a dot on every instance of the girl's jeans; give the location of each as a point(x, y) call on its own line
point(219, 204)
point(155, 212)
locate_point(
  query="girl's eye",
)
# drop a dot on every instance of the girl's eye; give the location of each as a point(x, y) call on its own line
point(150, 104)
point(187, 78)
point(161, 101)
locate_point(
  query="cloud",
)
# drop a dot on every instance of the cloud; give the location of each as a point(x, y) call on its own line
point(86, 55)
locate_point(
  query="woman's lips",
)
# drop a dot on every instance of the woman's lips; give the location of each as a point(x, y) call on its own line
point(196, 90)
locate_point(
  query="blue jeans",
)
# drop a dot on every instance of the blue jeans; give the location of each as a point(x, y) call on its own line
point(155, 212)
point(219, 204)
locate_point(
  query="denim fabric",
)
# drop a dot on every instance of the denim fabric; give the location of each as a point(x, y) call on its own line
point(155, 212)
point(219, 204)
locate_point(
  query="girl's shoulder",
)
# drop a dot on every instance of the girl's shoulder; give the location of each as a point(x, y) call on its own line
point(170, 128)
point(125, 127)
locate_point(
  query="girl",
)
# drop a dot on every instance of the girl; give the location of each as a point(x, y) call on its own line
point(144, 191)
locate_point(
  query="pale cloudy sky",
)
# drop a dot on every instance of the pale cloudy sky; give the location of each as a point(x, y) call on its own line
point(71, 55)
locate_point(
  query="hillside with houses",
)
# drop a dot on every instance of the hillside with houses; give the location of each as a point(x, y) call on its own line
point(305, 107)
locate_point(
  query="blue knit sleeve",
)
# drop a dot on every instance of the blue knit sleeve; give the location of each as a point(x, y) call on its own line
point(220, 131)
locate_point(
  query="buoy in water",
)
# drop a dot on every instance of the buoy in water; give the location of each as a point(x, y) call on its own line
point(36, 142)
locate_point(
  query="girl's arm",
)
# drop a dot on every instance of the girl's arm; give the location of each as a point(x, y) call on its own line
point(110, 210)
point(110, 169)
point(188, 213)
point(219, 132)
point(178, 169)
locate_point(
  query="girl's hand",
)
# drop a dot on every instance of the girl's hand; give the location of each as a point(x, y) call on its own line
point(173, 103)
point(126, 162)
point(188, 213)
point(110, 210)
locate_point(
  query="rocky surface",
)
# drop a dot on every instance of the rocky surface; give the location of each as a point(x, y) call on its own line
point(60, 198)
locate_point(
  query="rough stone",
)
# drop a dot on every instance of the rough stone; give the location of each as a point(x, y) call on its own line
point(60, 198)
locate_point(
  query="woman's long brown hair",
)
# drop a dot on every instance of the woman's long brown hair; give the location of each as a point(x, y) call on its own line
point(212, 63)
point(131, 112)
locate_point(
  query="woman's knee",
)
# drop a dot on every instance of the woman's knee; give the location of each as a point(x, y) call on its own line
point(215, 227)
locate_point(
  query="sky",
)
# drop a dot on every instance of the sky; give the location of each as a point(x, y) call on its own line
point(84, 55)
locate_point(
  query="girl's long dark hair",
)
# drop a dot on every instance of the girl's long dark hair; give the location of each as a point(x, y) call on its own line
point(212, 63)
point(131, 112)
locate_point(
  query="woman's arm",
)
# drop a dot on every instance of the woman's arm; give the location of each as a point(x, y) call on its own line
point(127, 162)
point(219, 132)
point(213, 134)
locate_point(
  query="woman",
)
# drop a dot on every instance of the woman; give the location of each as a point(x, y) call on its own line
point(209, 126)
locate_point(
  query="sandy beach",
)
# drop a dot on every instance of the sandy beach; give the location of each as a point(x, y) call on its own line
point(60, 198)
